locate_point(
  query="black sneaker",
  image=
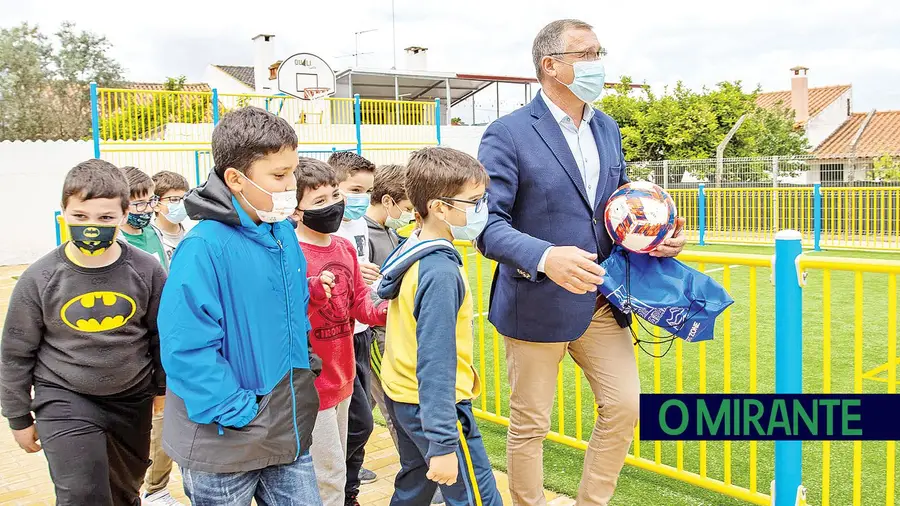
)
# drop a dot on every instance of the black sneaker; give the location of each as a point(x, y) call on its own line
point(366, 476)
point(351, 501)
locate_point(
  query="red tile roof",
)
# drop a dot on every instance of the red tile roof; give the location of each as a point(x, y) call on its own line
point(192, 87)
point(819, 98)
point(881, 136)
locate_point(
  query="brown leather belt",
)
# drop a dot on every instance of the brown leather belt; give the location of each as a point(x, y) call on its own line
point(600, 303)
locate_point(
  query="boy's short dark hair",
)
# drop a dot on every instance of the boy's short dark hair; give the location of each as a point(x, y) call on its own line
point(312, 174)
point(96, 179)
point(434, 173)
point(248, 134)
point(165, 181)
point(139, 183)
point(348, 163)
point(390, 180)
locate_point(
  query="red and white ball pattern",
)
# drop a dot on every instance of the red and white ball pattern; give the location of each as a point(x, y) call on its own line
point(640, 216)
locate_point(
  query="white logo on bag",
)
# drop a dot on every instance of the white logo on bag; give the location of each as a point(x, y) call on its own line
point(678, 316)
point(653, 315)
point(694, 328)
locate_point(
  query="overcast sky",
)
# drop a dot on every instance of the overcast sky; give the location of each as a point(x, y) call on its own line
point(700, 42)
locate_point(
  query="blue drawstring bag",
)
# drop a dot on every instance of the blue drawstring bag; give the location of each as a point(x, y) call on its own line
point(664, 292)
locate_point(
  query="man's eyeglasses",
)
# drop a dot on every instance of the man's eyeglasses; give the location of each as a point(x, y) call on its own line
point(479, 204)
point(171, 200)
point(583, 55)
point(142, 206)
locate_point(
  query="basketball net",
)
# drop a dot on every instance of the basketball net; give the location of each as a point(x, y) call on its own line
point(314, 93)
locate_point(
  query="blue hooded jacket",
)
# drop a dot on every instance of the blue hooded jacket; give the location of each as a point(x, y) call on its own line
point(233, 339)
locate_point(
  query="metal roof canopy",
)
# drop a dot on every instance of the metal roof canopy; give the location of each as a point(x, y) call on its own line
point(421, 85)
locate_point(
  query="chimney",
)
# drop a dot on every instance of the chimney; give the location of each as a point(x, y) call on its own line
point(416, 58)
point(263, 56)
point(800, 94)
point(273, 70)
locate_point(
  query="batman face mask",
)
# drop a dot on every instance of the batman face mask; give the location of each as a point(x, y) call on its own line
point(93, 240)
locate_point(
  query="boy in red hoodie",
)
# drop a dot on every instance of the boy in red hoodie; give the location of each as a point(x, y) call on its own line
point(319, 213)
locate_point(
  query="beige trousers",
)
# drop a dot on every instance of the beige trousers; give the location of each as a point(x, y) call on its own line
point(606, 355)
point(157, 476)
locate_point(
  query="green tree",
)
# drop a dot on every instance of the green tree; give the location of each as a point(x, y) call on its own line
point(684, 124)
point(886, 168)
point(25, 56)
point(44, 85)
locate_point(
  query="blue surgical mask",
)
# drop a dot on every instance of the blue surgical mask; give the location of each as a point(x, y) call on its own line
point(475, 223)
point(177, 213)
point(357, 205)
point(590, 77)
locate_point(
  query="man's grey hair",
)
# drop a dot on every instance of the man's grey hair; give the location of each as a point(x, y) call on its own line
point(550, 40)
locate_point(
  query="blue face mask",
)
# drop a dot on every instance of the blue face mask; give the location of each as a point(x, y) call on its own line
point(177, 213)
point(590, 77)
point(476, 220)
point(357, 204)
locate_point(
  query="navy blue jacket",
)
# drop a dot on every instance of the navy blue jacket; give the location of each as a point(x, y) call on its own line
point(537, 199)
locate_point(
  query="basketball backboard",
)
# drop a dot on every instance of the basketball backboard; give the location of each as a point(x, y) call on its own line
point(305, 76)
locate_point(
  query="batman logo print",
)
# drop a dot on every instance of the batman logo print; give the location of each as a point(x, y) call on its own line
point(98, 311)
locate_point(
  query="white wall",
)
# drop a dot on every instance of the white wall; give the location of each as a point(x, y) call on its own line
point(188, 160)
point(32, 175)
point(223, 82)
point(463, 138)
point(819, 127)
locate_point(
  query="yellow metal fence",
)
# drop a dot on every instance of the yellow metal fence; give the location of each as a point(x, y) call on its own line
point(154, 117)
point(841, 356)
point(171, 130)
point(855, 217)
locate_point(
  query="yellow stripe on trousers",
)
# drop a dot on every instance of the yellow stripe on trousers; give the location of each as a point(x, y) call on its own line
point(375, 360)
point(469, 466)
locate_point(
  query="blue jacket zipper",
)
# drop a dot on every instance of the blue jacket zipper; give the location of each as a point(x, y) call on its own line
point(287, 299)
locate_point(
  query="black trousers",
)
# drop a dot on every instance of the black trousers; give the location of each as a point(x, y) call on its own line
point(359, 420)
point(97, 448)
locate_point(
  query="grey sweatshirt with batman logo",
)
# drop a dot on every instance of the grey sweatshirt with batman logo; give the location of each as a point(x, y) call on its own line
point(88, 330)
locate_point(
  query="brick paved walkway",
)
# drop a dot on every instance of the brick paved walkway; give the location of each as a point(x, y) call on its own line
point(24, 479)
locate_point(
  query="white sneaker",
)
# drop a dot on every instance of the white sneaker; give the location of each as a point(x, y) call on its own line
point(161, 498)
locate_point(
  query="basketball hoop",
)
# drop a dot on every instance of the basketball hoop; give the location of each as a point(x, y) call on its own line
point(315, 93)
point(306, 76)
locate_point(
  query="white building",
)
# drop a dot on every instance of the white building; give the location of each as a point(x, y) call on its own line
point(819, 111)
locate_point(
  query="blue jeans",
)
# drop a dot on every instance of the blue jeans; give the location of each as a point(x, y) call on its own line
point(291, 484)
point(475, 485)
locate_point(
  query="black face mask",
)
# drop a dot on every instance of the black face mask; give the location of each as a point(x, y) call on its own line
point(93, 240)
point(326, 220)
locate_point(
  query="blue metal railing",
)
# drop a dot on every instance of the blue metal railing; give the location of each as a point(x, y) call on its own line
point(788, 357)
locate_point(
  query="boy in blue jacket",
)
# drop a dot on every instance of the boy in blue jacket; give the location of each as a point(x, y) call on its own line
point(241, 402)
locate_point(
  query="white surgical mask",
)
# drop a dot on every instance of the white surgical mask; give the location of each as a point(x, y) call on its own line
point(406, 217)
point(476, 220)
point(590, 77)
point(283, 204)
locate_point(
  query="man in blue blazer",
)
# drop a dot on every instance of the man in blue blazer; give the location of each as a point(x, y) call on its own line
point(553, 165)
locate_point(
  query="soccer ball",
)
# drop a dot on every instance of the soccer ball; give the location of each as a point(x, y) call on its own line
point(640, 216)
